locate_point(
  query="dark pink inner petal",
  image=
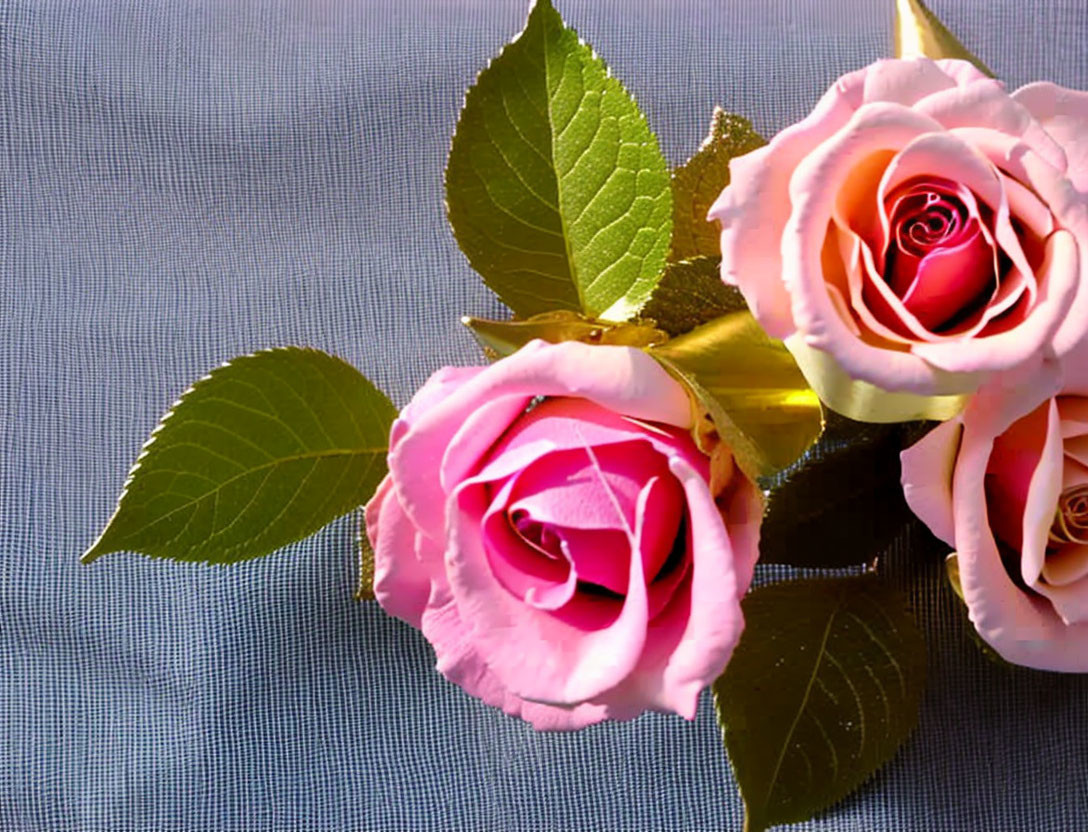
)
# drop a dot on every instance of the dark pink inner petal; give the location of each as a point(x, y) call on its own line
point(939, 262)
point(594, 488)
point(948, 283)
point(558, 533)
point(528, 562)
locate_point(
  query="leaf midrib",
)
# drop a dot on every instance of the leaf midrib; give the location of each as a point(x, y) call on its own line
point(773, 780)
point(554, 136)
point(325, 453)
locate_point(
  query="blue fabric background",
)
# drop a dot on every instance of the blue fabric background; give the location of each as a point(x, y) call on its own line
point(184, 182)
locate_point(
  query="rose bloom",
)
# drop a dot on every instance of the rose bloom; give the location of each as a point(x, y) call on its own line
point(1006, 485)
point(548, 524)
point(922, 227)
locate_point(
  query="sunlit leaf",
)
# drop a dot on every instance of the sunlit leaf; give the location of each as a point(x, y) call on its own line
point(699, 181)
point(263, 451)
point(690, 294)
point(556, 188)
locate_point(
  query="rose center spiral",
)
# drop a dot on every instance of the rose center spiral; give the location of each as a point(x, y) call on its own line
point(541, 536)
point(928, 219)
point(939, 262)
point(1071, 517)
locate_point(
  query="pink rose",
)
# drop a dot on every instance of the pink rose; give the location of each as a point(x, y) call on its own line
point(547, 523)
point(1006, 485)
point(923, 228)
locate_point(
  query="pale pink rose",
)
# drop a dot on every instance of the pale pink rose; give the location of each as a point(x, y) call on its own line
point(547, 522)
point(1006, 485)
point(923, 227)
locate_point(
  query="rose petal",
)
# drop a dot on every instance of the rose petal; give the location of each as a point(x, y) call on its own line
point(1070, 601)
point(1066, 566)
point(1068, 207)
point(985, 103)
point(1024, 483)
point(460, 662)
point(536, 578)
point(1076, 448)
point(857, 207)
point(402, 580)
point(947, 280)
point(535, 654)
point(927, 469)
point(755, 207)
point(947, 155)
point(1073, 410)
point(566, 423)
point(870, 291)
point(564, 488)
point(1027, 341)
point(622, 379)
point(1022, 629)
point(904, 82)
point(961, 72)
point(1027, 208)
point(439, 386)
point(689, 644)
point(1063, 114)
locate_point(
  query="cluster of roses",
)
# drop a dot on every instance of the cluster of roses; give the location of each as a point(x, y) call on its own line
point(922, 236)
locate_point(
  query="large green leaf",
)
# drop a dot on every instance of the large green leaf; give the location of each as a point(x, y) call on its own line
point(556, 189)
point(920, 33)
point(751, 388)
point(699, 181)
point(841, 503)
point(263, 451)
point(822, 689)
point(691, 293)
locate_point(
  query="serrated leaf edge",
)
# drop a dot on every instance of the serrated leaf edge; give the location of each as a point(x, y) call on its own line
point(91, 554)
point(618, 308)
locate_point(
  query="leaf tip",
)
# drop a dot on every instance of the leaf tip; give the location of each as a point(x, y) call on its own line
point(94, 552)
point(919, 33)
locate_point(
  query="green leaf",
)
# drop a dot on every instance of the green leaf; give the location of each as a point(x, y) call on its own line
point(699, 181)
point(822, 689)
point(690, 294)
point(750, 386)
point(365, 590)
point(262, 452)
point(919, 33)
point(502, 338)
point(556, 189)
point(841, 503)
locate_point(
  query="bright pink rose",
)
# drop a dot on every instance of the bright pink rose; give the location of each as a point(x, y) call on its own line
point(922, 226)
point(547, 522)
point(1006, 485)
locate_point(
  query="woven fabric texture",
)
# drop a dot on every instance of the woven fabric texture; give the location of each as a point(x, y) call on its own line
point(184, 182)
